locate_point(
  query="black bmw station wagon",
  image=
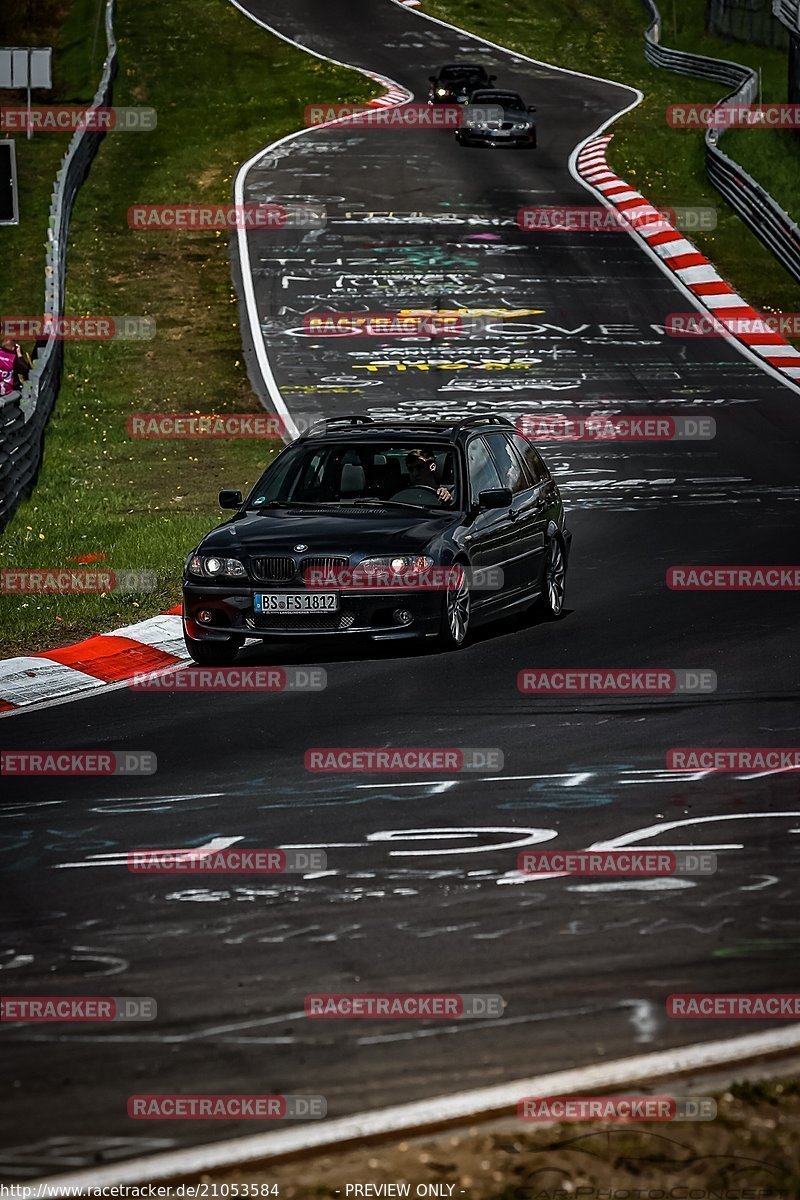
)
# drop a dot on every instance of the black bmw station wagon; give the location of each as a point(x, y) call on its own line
point(383, 530)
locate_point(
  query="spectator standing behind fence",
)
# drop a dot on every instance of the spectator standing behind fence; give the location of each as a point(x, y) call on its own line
point(14, 367)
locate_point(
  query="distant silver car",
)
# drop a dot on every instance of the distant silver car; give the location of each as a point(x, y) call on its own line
point(497, 118)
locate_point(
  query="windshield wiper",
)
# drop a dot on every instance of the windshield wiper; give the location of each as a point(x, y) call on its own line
point(292, 504)
point(364, 503)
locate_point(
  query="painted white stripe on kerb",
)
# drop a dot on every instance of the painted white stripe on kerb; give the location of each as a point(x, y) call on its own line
point(24, 680)
point(654, 227)
point(725, 300)
point(699, 274)
point(642, 216)
point(163, 633)
point(673, 249)
point(596, 174)
point(419, 1117)
point(777, 351)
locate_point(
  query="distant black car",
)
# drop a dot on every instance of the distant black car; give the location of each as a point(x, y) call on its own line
point(456, 82)
point(346, 517)
point(497, 118)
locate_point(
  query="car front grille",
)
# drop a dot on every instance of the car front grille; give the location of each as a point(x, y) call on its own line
point(274, 569)
point(283, 569)
point(289, 622)
point(324, 563)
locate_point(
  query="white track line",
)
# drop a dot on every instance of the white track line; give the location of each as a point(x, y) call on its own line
point(244, 257)
point(426, 1115)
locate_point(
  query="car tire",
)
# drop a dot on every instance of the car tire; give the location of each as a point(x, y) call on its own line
point(212, 654)
point(550, 604)
point(456, 612)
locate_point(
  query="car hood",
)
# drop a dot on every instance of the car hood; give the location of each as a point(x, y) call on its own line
point(279, 531)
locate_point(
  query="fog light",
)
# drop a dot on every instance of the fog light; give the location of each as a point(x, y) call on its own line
point(402, 616)
point(205, 617)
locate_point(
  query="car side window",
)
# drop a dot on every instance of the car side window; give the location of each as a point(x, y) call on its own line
point(483, 476)
point(510, 465)
point(530, 456)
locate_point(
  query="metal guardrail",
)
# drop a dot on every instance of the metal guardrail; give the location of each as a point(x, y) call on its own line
point(23, 416)
point(788, 13)
point(759, 211)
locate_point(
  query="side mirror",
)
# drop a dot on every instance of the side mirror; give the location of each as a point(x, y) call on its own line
point(531, 108)
point(495, 498)
point(492, 78)
point(230, 498)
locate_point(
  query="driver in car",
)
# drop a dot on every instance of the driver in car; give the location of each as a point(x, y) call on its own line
point(421, 468)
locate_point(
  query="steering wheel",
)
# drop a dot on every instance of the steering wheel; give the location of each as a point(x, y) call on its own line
point(414, 495)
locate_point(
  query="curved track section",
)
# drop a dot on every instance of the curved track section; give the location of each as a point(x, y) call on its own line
point(421, 891)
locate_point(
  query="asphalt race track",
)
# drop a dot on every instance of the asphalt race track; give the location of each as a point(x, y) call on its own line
point(584, 965)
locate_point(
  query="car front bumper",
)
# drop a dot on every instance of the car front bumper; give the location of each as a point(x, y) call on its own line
point(365, 614)
point(469, 137)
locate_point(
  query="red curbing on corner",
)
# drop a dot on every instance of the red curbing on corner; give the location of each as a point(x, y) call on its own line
point(691, 268)
point(86, 666)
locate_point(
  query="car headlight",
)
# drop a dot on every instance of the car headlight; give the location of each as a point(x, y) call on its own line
point(441, 91)
point(398, 563)
point(212, 566)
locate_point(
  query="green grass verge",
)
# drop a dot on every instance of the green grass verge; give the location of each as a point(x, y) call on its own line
point(69, 29)
point(666, 164)
point(222, 88)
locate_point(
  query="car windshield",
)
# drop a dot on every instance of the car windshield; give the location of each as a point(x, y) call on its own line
point(450, 74)
point(375, 473)
point(503, 99)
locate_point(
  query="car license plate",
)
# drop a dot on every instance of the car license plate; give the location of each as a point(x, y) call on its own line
point(296, 602)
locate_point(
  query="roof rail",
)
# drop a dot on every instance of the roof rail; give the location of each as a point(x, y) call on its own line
point(475, 419)
point(326, 422)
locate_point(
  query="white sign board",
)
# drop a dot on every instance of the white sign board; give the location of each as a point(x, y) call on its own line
point(26, 67)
